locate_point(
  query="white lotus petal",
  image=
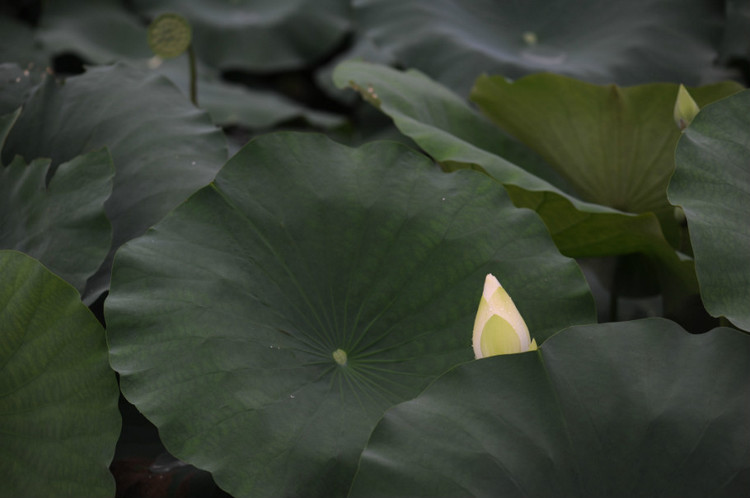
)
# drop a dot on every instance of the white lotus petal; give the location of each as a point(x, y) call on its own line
point(499, 328)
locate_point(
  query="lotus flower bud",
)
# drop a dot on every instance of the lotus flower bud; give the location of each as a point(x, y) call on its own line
point(499, 327)
point(685, 108)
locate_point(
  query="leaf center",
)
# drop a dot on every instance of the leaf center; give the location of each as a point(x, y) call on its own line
point(340, 357)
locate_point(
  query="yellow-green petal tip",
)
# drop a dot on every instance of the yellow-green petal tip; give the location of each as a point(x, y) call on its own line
point(685, 108)
point(499, 327)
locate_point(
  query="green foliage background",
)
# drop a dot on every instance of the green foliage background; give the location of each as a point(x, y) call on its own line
point(229, 248)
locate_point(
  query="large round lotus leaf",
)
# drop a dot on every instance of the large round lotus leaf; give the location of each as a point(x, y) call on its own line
point(268, 322)
point(444, 125)
point(58, 397)
point(260, 35)
point(61, 222)
point(619, 410)
point(614, 145)
point(621, 41)
point(162, 147)
point(712, 184)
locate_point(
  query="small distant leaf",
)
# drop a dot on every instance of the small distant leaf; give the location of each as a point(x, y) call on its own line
point(736, 41)
point(100, 32)
point(711, 183)
point(58, 397)
point(633, 42)
point(257, 35)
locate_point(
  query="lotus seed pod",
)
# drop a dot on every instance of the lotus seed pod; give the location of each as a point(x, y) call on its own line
point(169, 35)
point(499, 327)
